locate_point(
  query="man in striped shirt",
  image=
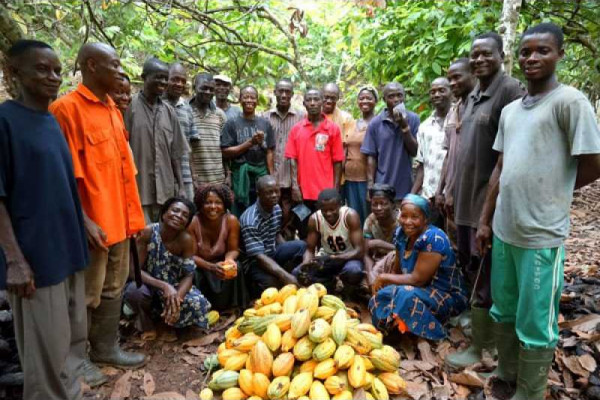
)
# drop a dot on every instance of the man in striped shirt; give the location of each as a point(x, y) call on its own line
point(282, 118)
point(266, 258)
point(175, 89)
point(208, 120)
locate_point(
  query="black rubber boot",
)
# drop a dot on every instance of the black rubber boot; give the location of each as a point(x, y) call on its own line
point(104, 338)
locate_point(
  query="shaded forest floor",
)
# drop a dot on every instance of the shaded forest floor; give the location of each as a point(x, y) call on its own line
point(176, 371)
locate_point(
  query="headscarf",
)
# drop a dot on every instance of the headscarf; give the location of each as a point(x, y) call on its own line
point(418, 201)
point(369, 89)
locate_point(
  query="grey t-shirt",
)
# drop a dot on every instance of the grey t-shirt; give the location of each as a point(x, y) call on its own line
point(238, 130)
point(540, 143)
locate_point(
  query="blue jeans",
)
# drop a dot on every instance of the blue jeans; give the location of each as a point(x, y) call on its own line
point(355, 194)
point(288, 255)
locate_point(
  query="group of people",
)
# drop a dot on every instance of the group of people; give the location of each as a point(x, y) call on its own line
point(218, 203)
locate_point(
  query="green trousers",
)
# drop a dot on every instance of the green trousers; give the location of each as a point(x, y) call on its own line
point(526, 288)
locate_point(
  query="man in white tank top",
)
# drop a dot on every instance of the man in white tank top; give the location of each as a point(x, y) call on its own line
point(336, 232)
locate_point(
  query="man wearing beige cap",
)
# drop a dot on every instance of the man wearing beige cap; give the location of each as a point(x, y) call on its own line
point(222, 90)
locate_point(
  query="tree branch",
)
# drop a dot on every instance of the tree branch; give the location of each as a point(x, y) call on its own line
point(97, 24)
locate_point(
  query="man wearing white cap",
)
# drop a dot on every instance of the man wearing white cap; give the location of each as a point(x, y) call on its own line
point(222, 90)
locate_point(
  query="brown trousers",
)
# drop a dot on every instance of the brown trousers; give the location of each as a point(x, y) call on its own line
point(107, 273)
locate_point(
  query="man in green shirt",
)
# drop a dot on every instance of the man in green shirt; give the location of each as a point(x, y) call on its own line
point(549, 144)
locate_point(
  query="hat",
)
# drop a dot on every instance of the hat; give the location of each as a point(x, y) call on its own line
point(222, 78)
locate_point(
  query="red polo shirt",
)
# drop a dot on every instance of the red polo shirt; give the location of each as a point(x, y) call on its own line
point(315, 150)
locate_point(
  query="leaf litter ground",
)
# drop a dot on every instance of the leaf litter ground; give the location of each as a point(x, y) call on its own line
point(176, 371)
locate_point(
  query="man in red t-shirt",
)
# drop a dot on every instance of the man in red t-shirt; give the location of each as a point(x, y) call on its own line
point(316, 152)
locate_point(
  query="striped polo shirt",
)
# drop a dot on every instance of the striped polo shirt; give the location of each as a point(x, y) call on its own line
point(259, 231)
point(206, 156)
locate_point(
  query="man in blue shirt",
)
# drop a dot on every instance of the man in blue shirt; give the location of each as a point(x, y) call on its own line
point(390, 142)
point(43, 246)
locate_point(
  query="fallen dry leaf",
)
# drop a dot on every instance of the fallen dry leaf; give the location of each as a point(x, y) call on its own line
point(202, 341)
point(359, 394)
point(191, 395)
point(417, 390)
point(467, 378)
point(190, 360)
point(588, 362)
point(587, 323)
point(149, 385)
point(197, 351)
point(412, 365)
point(572, 363)
point(165, 396)
point(425, 350)
point(110, 371)
point(461, 392)
point(122, 387)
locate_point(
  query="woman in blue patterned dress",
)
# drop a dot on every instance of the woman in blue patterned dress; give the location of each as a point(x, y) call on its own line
point(166, 250)
point(427, 287)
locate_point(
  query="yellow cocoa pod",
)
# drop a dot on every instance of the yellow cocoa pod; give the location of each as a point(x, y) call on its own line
point(366, 328)
point(319, 330)
point(246, 342)
point(310, 301)
point(368, 380)
point(222, 347)
point(318, 288)
point(393, 382)
point(272, 337)
point(309, 366)
point(343, 375)
point(376, 339)
point(339, 326)
point(356, 373)
point(379, 390)
point(233, 393)
point(226, 354)
point(332, 301)
point(304, 398)
point(283, 321)
point(258, 304)
point(236, 362)
point(249, 366)
point(288, 341)
point(352, 313)
point(368, 364)
point(250, 312)
point(283, 364)
point(262, 359)
point(358, 341)
point(269, 296)
point(318, 391)
point(230, 335)
point(300, 385)
point(206, 394)
point(260, 384)
point(269, 309)
point(345, 395)
point(386, 359)
point(290, 305)
point(325, 369)
point(286, 292)
point(279, 387)
point(300, 292)
point(325, 312)
point(300, 323)
point(303, 349)
point(343, 356)
point(335, 385)
point(353, 322)
point(324, 350)
point(212, 317)
point(254, 398)
point(369, 396)
point(245, 382)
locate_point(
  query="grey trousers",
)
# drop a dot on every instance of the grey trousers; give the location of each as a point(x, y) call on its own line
point(51, 331)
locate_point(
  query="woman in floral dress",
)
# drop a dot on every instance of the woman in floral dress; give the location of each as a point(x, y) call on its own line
point(427, 287)
point(165, 252)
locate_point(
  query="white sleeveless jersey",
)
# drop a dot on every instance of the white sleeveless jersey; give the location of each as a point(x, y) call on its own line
point(335, 239)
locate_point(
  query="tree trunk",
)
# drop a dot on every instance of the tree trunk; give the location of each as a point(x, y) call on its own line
point(508, 30)
point(10, 32)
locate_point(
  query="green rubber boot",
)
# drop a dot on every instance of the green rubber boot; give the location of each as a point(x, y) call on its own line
point(483, 338)
point(104, 338)
point(507, 344)
point(532, 377)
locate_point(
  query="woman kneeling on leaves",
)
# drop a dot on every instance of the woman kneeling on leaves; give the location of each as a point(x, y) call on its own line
point(165, 252)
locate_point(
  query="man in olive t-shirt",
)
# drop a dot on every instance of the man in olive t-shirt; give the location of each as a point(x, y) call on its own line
point(476, 160)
